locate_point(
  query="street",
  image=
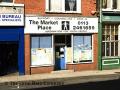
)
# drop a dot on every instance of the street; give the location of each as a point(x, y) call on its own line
point(110, 85)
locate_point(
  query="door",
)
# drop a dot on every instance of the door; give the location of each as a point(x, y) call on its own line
point(61, 41)
point(59, 57)
point(8, 57)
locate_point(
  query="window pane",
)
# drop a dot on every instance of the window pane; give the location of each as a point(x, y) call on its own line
point(107, 49)
point(104, 3)
point(107, 38)
point(45, 42)
point(78, 42)
point(116, 37)
point(103, 49)
point(112, 48)
point(7, 0)
point(114, 4)
point(109, 3)
point(116, 48)
point(87, 42)
point(70, 5)
point(35, 42)
point(55, 5)
point(112, 32)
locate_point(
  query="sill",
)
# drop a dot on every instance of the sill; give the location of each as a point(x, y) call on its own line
point(90, 62)
point(10, 4)
point(111, 57)
point(110, 9)
point(60, 12)
point(47, 65)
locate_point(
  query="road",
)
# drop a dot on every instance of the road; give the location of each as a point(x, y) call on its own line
point(109, 85)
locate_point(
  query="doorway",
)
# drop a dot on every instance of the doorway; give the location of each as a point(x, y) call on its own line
point(8, 57)
point(61, 42)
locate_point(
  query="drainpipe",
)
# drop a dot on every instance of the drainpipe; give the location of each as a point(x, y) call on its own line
point(100, 37)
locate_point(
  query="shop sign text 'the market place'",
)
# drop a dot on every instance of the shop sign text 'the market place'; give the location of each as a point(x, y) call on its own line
point(35, 24)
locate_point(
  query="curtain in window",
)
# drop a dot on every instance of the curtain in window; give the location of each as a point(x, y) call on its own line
point(55, 5)
point(104, 3)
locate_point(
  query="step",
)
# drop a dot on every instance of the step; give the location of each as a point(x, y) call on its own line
point(63, 71)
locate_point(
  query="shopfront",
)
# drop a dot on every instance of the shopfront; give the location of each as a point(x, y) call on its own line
point(110, 41)
point(61, 43)
point(12, 39)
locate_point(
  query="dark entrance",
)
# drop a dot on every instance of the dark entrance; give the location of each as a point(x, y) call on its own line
point(8, 57)
point(61, 41)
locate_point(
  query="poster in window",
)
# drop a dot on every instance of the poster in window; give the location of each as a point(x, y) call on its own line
point(85, 55)
point(41, 56)
point(82, 55)
point(69, 54)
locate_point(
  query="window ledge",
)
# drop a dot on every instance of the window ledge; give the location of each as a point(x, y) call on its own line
point(10, 4)
point(47, 65)
point(111, 10)
point(71, 12)
point(111, 57)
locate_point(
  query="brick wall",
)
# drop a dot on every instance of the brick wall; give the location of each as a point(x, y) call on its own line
point(36, 70)
point(38, 7)
point(27, 54)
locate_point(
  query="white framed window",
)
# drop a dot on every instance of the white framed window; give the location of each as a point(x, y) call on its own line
point(41, 50)
point(111, 4)
point(110, 40)
point(63, 6)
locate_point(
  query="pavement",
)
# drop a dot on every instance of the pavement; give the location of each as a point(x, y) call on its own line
point(57, 78)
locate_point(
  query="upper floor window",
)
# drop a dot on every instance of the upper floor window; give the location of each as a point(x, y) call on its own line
point(64, 6)
point(10, 1)
point(111, 4)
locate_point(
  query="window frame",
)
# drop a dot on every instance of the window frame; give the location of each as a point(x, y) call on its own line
point(78, 7)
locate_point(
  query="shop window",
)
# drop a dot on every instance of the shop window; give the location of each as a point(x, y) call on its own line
point(111, 4)
point(63, 6)
point(6, 0)
point(82, 48)
point(41, 50)
point(110, 40)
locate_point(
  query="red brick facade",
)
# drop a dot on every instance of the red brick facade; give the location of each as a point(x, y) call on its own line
point(37, 7)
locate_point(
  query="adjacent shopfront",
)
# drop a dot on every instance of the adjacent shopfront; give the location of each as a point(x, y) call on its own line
point(110, 42)
point(60, 43)
point(11, 39)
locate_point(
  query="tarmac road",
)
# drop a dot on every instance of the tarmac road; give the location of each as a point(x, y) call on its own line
point(101, 85)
